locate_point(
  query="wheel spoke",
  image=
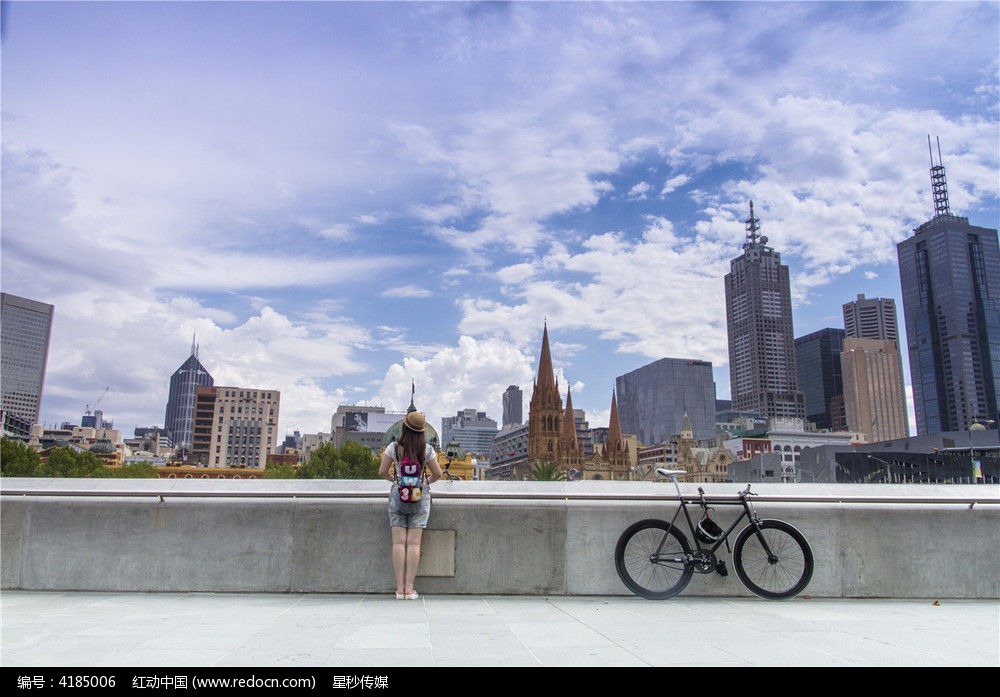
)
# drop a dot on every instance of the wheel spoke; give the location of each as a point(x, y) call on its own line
point(779, 570)
point(650, 559)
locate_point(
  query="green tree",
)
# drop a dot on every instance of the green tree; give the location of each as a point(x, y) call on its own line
point(321, 465)
point(66, 462)
point(356, 462)
point(279, 470)
point(135, 470)
point(17, 459)
point(546, 471)
point(350, 461)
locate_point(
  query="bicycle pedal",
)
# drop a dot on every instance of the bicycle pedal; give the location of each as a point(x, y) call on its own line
point(720, 569)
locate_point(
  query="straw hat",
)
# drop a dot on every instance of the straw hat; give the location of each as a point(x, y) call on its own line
point(415, 421)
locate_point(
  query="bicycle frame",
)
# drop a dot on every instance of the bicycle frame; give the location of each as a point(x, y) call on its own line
point(747, 513)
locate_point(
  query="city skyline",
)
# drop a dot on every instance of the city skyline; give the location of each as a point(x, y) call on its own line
point(341, 198)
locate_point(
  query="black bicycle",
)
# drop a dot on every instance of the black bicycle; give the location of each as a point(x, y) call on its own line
point(655, 560)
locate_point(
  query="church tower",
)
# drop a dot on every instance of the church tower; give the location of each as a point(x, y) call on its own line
point(569, 454)
point(616, 452)
point(545, 409)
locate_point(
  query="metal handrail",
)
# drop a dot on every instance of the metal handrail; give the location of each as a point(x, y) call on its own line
point(440, 493)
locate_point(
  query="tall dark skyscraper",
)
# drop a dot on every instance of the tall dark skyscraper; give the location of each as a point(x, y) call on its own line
point(25, 326)
point(513, 403)
point(949, 271)
point(817, 362)
point(179, 419)
point(762, 372)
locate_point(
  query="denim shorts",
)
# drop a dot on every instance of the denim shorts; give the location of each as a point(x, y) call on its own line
point(398, 519)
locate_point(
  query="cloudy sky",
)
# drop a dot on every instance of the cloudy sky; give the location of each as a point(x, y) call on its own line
point(340, 198)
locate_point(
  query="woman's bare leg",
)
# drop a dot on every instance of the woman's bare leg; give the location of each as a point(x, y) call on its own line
point(399, 557)
point(413, 536)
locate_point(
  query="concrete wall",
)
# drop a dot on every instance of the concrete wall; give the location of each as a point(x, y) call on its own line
point(328, 536)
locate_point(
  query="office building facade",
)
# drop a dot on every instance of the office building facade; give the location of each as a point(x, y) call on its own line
point(235, 426)
point(872, 400)
point(653, 399)
point(817, 365)
point(25, 329)
point(875, 318)
point(470, 430)
point(950, 276)
point(179, 418)
point(762, 371)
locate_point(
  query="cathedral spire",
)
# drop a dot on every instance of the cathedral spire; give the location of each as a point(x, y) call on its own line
point(546, 375)
point(614, 423)
point(568, 421)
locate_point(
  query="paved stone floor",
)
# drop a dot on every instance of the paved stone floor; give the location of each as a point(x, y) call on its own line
point(289, 630)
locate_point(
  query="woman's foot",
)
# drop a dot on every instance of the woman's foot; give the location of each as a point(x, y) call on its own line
point(411, 594)
point(400, 596)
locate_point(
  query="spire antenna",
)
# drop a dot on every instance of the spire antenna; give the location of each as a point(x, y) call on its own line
point(939, 185)
point(753, 228)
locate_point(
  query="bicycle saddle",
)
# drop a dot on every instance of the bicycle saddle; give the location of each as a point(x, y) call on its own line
point(664, 472)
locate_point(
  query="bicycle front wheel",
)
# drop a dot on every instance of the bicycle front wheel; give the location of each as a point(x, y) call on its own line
point(650, 558)
point(781, 569)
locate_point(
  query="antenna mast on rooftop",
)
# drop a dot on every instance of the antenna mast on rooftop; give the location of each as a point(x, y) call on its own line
point(939, 186)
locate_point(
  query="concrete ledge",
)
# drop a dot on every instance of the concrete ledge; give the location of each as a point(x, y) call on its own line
point(484, 537)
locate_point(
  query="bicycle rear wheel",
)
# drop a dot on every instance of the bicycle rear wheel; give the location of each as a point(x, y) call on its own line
point(784, 572)
point(650, 559)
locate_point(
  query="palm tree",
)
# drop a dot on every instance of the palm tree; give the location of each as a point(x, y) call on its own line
point(546, 471)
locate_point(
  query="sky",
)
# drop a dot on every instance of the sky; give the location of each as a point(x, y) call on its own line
point(340, 200)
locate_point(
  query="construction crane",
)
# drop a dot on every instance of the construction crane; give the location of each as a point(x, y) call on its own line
point(97, 401)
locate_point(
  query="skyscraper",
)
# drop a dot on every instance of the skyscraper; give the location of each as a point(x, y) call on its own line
point(179, 419)
point(875, 318)
point(25, 327)
point(653, 400)
point(817, 364)
point(872, 399)
point(513, 403)
point(762, 370)
point(949, 271)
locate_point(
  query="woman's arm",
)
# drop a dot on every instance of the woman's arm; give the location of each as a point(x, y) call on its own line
point(385, 466)
point(435, 468)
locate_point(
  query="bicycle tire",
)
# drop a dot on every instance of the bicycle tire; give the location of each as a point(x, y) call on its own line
point(655, 580)
point(787, 574)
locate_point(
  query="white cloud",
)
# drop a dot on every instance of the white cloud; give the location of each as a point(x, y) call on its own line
point(639, 192)
point(407, 291)
point(472, 374)
point(674, 183)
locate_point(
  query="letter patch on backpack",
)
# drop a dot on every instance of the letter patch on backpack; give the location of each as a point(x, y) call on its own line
point(409, 480)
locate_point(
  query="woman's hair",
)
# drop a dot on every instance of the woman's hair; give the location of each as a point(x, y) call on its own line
point(412, 443)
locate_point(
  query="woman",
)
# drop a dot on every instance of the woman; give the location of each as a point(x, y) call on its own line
point(407, 528)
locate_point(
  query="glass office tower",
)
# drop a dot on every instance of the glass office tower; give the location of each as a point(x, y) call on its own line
point(653, 399)
point(179, 419)
point(25, 327)
point(949, 271)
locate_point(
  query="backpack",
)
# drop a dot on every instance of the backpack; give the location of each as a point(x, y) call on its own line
point(411, 485)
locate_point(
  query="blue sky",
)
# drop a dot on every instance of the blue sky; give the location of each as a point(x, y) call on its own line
point(339, 198)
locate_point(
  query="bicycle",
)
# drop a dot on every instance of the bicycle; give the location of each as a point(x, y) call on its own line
point(655, 560)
